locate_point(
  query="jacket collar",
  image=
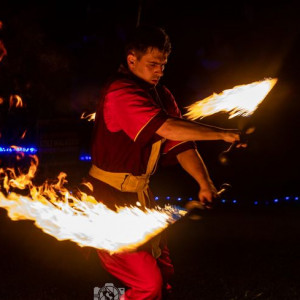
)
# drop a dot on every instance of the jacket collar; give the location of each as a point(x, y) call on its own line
point(125, 72)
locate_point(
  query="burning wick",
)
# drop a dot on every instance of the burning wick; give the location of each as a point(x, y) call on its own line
point(56, 211)
point(241, 100)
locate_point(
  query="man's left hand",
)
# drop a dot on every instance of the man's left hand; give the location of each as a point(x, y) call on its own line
point(207, 194)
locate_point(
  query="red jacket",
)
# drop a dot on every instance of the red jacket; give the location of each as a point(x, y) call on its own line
point(128, 116)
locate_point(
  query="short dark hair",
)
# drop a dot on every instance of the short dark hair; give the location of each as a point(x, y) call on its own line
point(144, 37)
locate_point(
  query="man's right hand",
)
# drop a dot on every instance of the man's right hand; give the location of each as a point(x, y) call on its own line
point(233, 136)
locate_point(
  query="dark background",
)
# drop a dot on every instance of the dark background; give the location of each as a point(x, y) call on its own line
point(59, 55)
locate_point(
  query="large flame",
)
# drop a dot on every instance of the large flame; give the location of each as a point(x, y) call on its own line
point(81, 219)
point(241, 100)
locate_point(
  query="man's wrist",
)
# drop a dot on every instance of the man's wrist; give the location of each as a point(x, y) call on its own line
point(205, 183)
point(222, 134)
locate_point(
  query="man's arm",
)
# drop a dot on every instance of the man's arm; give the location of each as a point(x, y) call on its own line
point(192, 163)
point(177, 129)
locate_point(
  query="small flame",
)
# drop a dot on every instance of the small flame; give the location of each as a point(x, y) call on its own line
point(15, 100)
point(88, 185)
point(81, 219)
point(24, 133)
point(1, 100)
point(240, 100)
point(90, 117)
point(3, 50)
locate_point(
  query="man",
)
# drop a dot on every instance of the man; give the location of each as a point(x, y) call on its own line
point(137, 120)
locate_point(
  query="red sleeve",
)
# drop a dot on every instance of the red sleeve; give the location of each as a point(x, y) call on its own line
point(172, 148)
point(132, 110)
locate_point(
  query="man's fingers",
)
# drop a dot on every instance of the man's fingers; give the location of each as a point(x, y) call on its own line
point(206, 202)
point(250, 130)
point(243, 145)
point(242, 142)
point(205, 199)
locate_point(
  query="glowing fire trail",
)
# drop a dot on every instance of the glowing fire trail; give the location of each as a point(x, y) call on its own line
point(241, 100)
point(82, 220)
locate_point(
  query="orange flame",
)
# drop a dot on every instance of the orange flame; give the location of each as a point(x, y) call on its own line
point(3, 50)
point(24, 133)
point(81, 219)
point(240, 100)
point(15, 100)
point(90, 117)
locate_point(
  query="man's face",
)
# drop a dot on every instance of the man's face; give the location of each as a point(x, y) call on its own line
point(148, 67)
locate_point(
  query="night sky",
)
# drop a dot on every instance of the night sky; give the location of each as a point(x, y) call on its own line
point(59, 55)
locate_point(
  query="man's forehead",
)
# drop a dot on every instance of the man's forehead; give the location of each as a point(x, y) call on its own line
point(154, 53)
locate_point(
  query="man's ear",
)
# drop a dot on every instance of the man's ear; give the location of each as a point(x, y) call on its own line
point(131, 59)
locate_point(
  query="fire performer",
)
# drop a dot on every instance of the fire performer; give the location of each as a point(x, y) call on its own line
point(137, 119)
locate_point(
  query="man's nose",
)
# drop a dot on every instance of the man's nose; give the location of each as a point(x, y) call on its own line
point(160, 70)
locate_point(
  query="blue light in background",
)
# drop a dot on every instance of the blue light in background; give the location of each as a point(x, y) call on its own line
point(235, 201)
point(85, 158)
point(18, 149)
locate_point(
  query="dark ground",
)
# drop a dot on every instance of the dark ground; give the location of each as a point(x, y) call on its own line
point(248, 253)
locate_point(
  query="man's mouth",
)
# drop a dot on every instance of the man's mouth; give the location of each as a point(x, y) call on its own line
point(155, 81)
